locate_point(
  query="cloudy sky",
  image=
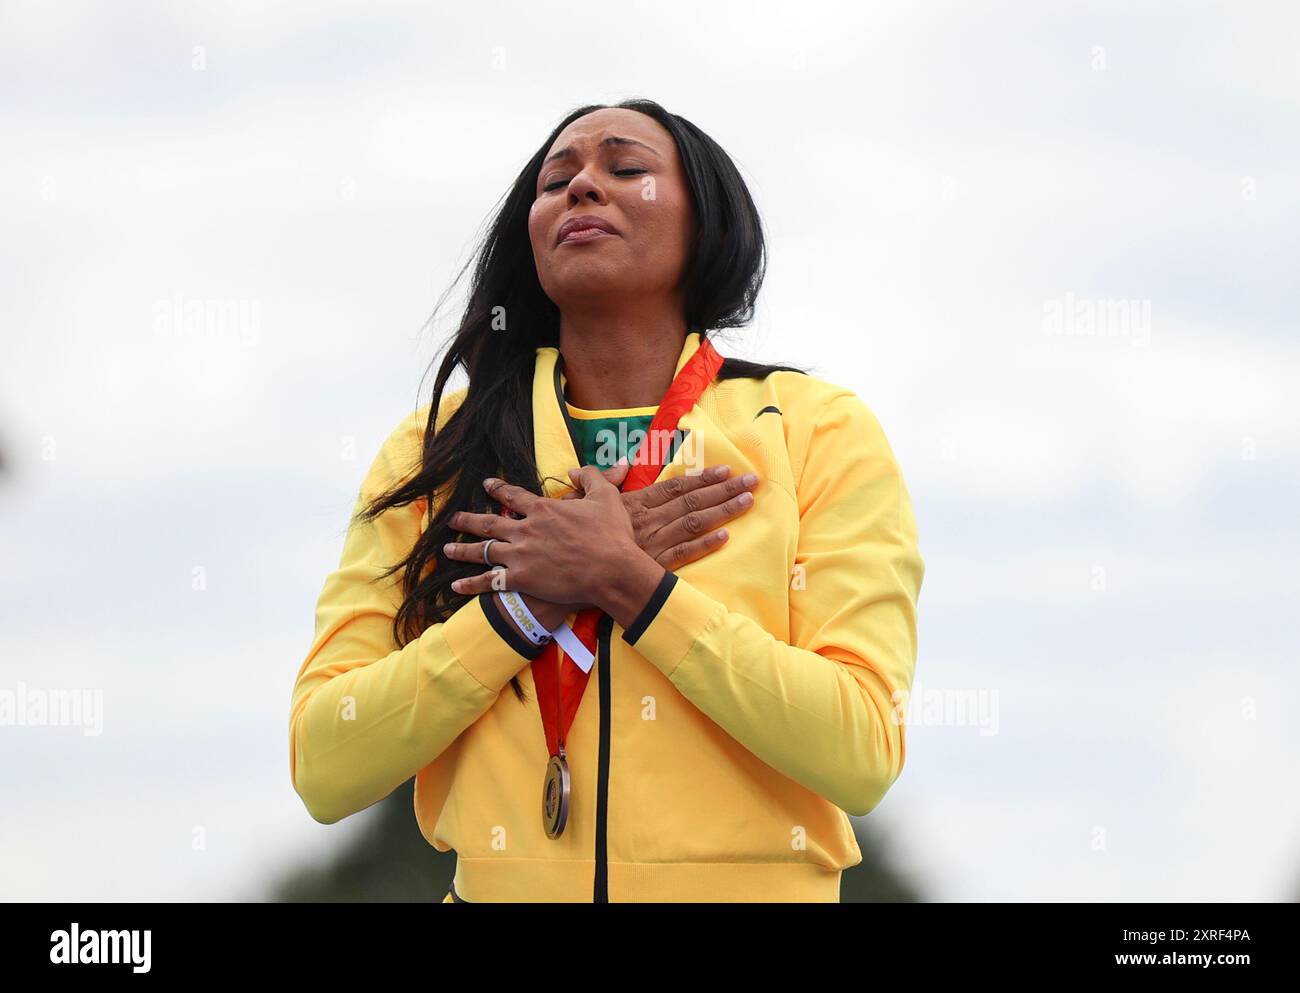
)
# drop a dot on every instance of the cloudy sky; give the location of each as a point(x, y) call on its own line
point(1054, 251)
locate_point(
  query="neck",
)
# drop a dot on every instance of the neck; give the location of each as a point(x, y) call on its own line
point(619, 359)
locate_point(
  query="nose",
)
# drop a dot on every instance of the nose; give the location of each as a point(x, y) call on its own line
point(584, 187)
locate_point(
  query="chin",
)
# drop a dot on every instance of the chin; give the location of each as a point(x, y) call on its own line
point(586, 279)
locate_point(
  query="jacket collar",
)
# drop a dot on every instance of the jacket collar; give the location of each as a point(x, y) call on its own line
point(552, 442)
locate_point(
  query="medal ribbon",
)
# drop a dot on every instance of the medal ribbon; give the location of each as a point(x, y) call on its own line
point(560, 687)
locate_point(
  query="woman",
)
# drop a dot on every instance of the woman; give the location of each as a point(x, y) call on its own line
point(748, 691)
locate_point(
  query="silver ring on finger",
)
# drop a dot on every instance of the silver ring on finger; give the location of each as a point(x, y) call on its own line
point(486, 545)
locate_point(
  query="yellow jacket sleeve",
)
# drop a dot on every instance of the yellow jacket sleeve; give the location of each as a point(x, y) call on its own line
point(365, 715)
point(822, 709)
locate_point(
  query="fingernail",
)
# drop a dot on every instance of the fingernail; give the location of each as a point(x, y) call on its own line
point(455, 584)
point(487, 483)
point(446, 549)
point(720, 471)
point(749, 479)
point(722, 534)
point(745, 499)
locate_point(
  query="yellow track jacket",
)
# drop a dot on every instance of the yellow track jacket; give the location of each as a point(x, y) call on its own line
point(722, 741)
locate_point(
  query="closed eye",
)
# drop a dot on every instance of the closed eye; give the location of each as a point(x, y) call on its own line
point(617, 172)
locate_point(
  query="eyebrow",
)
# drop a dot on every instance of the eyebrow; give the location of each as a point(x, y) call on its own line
point(611, 140)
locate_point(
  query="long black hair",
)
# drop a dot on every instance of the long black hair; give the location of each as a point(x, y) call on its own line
point(491, 431)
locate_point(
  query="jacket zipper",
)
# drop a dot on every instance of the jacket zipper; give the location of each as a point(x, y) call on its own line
point(600, 892)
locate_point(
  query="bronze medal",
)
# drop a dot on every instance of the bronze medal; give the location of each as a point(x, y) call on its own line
point(555, 795)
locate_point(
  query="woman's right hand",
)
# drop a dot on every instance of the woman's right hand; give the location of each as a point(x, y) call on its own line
point(677, 520)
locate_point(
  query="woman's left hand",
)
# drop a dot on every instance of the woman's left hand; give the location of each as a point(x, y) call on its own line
point(565, 551)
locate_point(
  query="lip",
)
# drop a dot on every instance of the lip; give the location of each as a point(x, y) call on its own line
point(584, 222)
